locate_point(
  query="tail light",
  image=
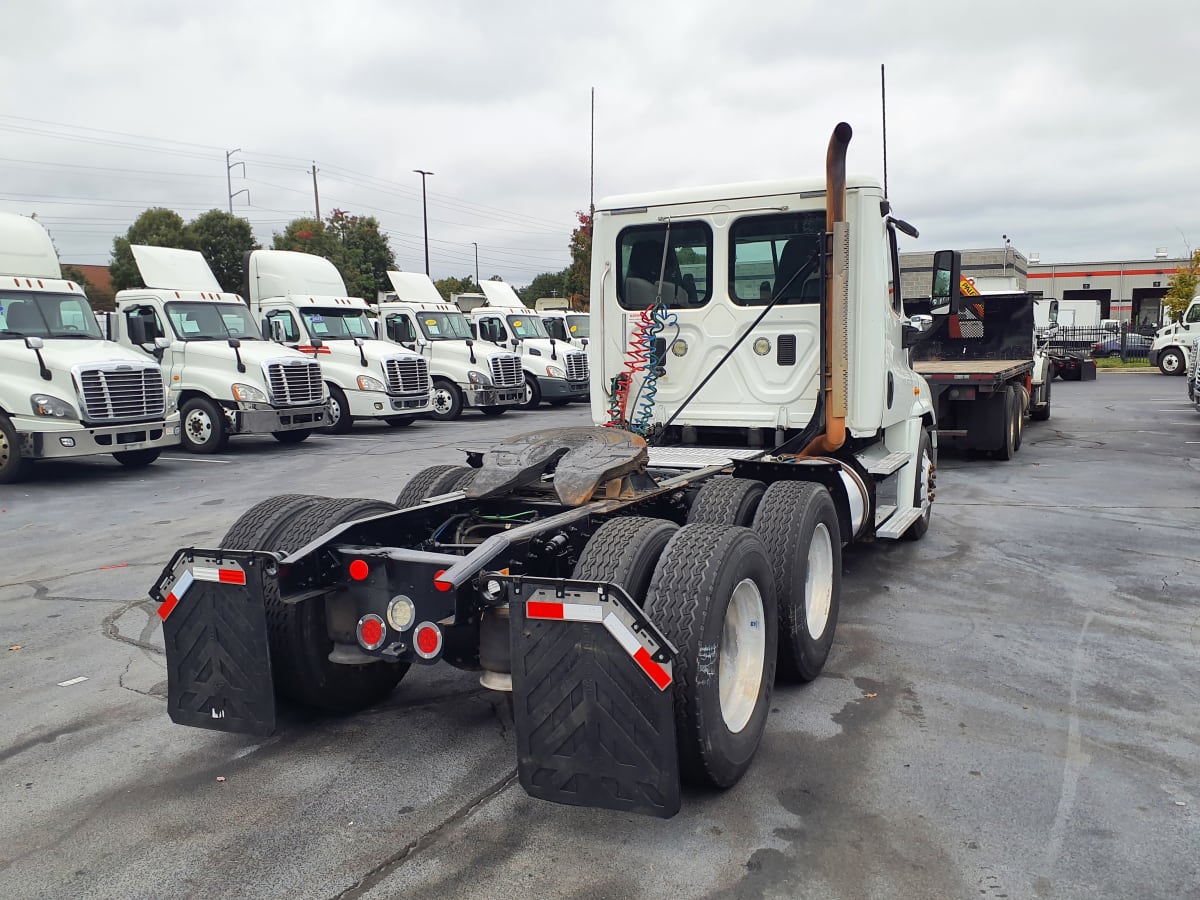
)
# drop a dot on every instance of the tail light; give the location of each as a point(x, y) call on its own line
point(371, 631)
point(427, 640)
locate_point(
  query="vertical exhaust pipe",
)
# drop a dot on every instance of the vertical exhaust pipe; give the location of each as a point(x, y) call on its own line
point(835, 376)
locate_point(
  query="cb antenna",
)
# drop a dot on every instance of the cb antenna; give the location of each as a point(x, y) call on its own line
point(883, 100)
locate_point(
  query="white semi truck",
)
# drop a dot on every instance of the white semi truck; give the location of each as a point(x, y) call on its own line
point(639, 587)
point(1169, 351)
point(65, 391)
point(555, 372)
point(465, 373)
point(299, 299)
point(573, 328)
point(224, 376)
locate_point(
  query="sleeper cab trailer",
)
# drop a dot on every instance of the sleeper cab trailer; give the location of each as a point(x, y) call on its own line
point(636, 587)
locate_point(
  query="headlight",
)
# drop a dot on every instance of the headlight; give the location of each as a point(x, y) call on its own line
point(478, 378)
point(248, 393)
point(367, 383)
point(52, 407)
point(172, 402)
point(555, 372)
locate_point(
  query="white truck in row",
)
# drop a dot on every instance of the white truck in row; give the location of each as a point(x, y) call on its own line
point(1171, 345)
point(465, 373)
point(300, 300)
point(224, 377)
point(65, 391)
point(555, 371)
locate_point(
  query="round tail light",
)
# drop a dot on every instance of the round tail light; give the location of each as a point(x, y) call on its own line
point(427, 640)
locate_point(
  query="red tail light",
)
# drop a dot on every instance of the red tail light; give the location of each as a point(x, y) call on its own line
point(427, 640)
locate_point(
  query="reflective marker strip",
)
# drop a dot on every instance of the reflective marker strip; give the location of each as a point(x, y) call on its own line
point(181, 586)
point(224, 576)
point(580, 612)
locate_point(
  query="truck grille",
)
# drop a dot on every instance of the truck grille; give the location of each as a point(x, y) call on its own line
point(406, 375)
point(294, 382)
point(121, 392)
point(577, 367)
point(506, 370)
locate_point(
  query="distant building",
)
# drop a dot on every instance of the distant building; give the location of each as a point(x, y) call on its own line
point(1130, 290)
point(100, 291)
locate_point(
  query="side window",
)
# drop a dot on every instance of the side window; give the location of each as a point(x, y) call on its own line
point(776, 256)
point(147, 321)
point(1193, 314)
point(681, 255)
point(490, 329)
point(894, 282)
point(286, 322)
point(400, 329)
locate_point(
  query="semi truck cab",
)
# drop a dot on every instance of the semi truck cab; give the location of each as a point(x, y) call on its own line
point(1170, 348)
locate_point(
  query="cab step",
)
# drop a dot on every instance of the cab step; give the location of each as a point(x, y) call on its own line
point(889, 464)
point(897, 524)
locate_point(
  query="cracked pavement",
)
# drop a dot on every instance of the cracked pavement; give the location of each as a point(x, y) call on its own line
point(1009, 709)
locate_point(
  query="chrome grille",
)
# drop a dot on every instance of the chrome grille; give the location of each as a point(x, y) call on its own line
point(294, 382)
point(121, 392)
point(577, 367)
point(406, 375)
point(506, 370)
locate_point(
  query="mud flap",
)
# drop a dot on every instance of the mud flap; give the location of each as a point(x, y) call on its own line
point(215, 633)
point(592, 699)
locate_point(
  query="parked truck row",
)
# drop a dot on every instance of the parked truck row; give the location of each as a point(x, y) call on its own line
point(180, 361)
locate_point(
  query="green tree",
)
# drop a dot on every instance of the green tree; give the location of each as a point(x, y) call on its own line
point(224, 240)
point(579, 273)
point(448, 286)
point(156, 227)
point(547, 284)
point(1182, 287)
point(352, 243)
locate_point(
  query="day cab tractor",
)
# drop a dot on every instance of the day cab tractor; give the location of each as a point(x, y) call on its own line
point(637, 585)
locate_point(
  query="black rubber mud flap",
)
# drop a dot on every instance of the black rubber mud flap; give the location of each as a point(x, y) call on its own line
point(215, 632)
point(592, 699)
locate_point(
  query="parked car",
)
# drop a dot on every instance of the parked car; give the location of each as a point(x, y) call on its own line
point(1135, 345)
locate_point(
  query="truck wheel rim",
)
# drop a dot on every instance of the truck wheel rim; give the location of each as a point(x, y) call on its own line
point(5, 450)
point(199, 426)
point(528, 393)
point(1170, 362)
point(818, 582)
point(926, 477)
point(441, 401)
point(335, 411)
point(742, 655)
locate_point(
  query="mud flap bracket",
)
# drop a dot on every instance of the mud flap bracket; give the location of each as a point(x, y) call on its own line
point(592, 697)
point(215, 636)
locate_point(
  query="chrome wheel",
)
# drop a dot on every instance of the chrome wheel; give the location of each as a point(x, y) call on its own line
point(6, 449)
point(335, 412)
point(199, 425)
point(742, 655)
point(818, 581)
point(443, 403)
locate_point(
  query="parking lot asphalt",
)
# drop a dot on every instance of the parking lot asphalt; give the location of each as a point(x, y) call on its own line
point(1009, 709)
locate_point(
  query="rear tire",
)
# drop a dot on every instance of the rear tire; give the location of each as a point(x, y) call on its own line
point(562, 401)
point(726, 501)
point(798, 524)
point(713, 596)
point(13, 466)
point(299, 639)
point(399, 421)
point(1010, 441)
point(291, 437)
point(493, 411)
point(624, 552)
point(137, 459)
point(420, 485)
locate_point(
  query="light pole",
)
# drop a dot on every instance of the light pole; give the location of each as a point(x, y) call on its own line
point(1004, 271)
point(476, 246)
point(424, 215)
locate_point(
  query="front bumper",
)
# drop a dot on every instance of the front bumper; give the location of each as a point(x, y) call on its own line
point(1153, 354)
point(42, 439)
point(268, 420)
point(376, 404)
point(493, 396)
point(562, 389)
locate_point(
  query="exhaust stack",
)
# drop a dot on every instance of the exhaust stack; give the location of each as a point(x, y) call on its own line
point(835, 377)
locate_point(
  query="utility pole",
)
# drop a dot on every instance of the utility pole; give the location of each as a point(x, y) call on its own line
point(1004, 271)
point(425, 217)
point(229, 167)
point(592, 165)
point(476, 246)
point(316, 196)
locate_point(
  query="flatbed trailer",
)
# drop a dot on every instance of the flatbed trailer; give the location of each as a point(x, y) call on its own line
point(985, 373)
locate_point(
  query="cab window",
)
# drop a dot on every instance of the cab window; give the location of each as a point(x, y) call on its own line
point(680, 256)
point(149, 320)
point(776, 257)
point(400, 329)
point(492, 329)
point(290, 331)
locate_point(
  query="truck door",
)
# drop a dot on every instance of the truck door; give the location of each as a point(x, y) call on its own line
point(140, 326)
point(401, 330)
point(492, 328)
point(280, 325)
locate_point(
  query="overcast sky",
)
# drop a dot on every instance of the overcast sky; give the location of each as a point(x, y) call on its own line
point(1071, 127)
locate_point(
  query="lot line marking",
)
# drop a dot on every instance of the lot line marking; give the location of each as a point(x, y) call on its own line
point(1185, 409)
point(1075, 760)
point(222, 462)
point(71, 681)
point(346, 437)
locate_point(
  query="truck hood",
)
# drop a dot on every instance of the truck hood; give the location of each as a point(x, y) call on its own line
point(376, 351)
point(542, 345)
point(219, 353)
point(22, 378)
point(64, 353)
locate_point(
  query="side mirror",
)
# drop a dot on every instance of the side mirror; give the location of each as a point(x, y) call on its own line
point(278, 333)
point(233, 342)
point(470, 343)
point(358, 342)
point(946, 294)
point(1053, 312)
point(161, 346)
point(584, 341)
point(137, 329)
point(34, 343)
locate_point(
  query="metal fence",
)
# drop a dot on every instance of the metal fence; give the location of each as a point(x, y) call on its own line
point(1126, 343)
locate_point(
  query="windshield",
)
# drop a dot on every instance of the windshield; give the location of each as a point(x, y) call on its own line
point(527, 327)
point(555, 327)
point(444, 326)
point(581, 326)
point(24, 314)
point(337, 324)
point(211, 321)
